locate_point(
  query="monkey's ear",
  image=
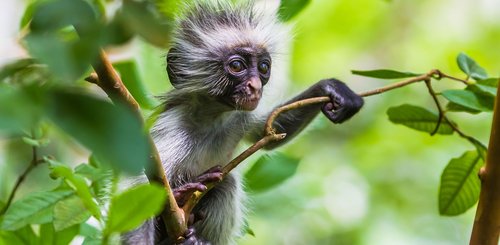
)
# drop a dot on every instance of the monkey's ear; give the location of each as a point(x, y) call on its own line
point(174, 74)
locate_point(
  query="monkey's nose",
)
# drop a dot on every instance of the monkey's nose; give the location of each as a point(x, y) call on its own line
point(255, 85)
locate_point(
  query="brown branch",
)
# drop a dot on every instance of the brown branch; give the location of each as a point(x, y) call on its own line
point(108, 80)
point(174, 217)
point(438, 105)
point(196, 197)
point(270, 133)
point(486, 227)
point(424, 77)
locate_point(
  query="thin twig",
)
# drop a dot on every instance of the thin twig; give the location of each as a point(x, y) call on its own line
point(34, 162)
point(197, 195)
point(438, 105)
point(424, 77)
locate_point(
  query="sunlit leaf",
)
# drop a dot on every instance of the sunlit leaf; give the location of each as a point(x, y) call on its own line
point(290, 8)
point(130, 77)
point(33, 209)
point(112, 132)
point(470, 67)
point(101, 178)
point(384, 74)
point(91, 234)
point(134, 206)
point(269, 171)
point(460, 184)
point(78, 183)
point(417, 118)
point(69, 212)
point(469, 99)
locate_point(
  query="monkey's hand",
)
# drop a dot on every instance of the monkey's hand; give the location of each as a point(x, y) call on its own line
point(182, 193)
point(344, 103)
point(192, 239)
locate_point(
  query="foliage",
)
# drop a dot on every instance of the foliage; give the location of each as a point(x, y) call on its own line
point(43, 102)
point(64, 39)
point(459, 182)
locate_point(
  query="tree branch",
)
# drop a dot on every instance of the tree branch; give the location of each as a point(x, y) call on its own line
point(487, 222)
point(173, 216)
point(272, 136)
point(108, 80)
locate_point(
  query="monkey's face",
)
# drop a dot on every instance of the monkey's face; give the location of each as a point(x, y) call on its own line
point(248, 69)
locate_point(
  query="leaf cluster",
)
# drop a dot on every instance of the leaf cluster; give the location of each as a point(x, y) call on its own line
point(460, 185)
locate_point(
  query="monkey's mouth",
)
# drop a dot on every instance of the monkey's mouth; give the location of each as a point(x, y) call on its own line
point(248, 103)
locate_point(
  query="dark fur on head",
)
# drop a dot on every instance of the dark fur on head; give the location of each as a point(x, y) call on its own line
point(205, 33)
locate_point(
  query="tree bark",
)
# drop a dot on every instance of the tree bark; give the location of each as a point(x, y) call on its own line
point(487, 222)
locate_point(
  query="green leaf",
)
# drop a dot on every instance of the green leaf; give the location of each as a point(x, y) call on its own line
point(68, 60)
point(458, 108)
point(24, 235)
point(92, 235)
point(78, 183)
point(130, 77)
point(269, 171)
point(488, 86)
point(460, 184)
point(48, 236)
point(29, 104)
point(290, 8)
point(469, 99)
point(134, 206)
point(67, 54)
point(112, 132)
point(101, 179)
point(417, 118)
point(50, 16)
point(142, 17)
point(15, 66)
point(36, 142)
point(34, 209)
point(384, 74)
point(69, 212)
point(247, 229)
point(470, 67)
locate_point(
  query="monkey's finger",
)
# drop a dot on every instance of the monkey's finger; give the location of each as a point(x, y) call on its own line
point(210, 177)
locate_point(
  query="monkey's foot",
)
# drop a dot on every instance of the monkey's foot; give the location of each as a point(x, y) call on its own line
point(182, 193)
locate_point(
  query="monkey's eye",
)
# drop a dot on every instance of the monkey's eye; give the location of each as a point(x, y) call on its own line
point(264, 67)
point(236, 66)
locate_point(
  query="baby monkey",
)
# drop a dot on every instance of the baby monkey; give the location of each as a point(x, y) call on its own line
point(219, 63)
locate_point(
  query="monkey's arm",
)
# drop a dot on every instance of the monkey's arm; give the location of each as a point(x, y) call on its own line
point(344, 103)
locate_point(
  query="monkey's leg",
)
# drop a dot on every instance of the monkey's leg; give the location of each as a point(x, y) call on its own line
point(222, 208)
point(182, 193)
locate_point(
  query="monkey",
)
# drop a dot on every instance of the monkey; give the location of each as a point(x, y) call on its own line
point(219, 63)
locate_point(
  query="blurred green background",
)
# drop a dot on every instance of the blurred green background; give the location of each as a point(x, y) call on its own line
point(367, 181)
